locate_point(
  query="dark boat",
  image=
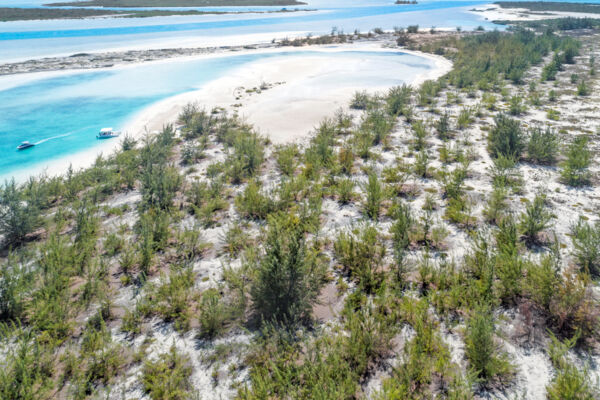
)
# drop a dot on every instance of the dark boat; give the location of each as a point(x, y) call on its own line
point(25, 145)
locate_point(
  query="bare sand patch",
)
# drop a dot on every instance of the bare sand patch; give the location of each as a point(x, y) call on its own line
point(493, 12)
point(302, 91)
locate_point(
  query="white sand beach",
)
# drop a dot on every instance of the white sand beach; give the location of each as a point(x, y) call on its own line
point(303, 91)
point(493, 12)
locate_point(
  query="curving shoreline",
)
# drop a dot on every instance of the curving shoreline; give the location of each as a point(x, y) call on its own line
point(279, 112)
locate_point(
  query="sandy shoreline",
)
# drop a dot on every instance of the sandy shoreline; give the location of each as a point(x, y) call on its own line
point(493, 12)
point(120, 56)
point(287, 111)
point(298, 98)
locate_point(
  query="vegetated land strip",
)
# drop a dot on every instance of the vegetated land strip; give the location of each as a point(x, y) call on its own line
point(560, 24)
point(110, 59)
point(126, 245)
point(552, 6)
point(176, 3)
point(28, 14)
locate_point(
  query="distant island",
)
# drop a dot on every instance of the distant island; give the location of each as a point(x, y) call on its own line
point(552, 6)
point(406, 2)
point(175, 3)
point(29, 14)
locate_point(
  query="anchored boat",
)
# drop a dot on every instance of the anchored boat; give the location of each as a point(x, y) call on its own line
point(107, 133)
point(25, 145)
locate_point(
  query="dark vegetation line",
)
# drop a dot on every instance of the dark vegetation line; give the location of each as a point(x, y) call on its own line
point(26, 14)
point(60, 262)
point(177, 3)
point(556, 24)
point(552, 6)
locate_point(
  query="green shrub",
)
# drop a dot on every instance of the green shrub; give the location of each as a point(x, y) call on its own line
point(168, 377)
point(206, 199)
point(361, 100)
point(344, 189)
point(213, 314)
point(582, 89)
point(361, 254)
point(575, 169)
point(398, 99)
point(542, 146)
point(489, 100)
point(425, 358)
point(128, 143)
point(586, 244)
point(325, 367)
point(401, 230)
point(427, 93)
point(465, 117)
point(113, 244)
point(235, 239)
point(253, 204)
point(569, 383)
point(552, 114)
point(320, 152)
point(542, 280)
point(442, 126)
point(19, 216)
point(191, 153)
point(286, 159)
point(247, 156)
point(496, 205)
point(412, 29)
point(505, 174)
point(516, 106)
point(172, 298)
point(374, 192)
point(534, 220)
point(420, 133)
point(346, 159)
point(160, 183)
point(572, 308)
point(551, 69)
point(421, 167)
point(15, 284)
point(506, 137)
point(288, 277)
point(378, 124)
point(26, 369)
point(482, 350)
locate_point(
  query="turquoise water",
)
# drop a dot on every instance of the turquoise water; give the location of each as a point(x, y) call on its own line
point(63, 114)
point(341, 14)
point(30, 39)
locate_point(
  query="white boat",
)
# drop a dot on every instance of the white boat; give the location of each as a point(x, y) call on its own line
point(107, 133)
point(25, 145)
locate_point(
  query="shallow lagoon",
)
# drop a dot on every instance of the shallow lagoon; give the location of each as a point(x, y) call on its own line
point(63, 113)
point(28, 39)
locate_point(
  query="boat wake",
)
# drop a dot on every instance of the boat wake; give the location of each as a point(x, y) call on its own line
point(59, 136)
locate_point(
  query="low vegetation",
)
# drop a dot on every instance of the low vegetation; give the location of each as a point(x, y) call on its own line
point(414, 247)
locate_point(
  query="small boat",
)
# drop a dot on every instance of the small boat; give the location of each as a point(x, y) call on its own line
point(107, 133)
point(25, 145)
